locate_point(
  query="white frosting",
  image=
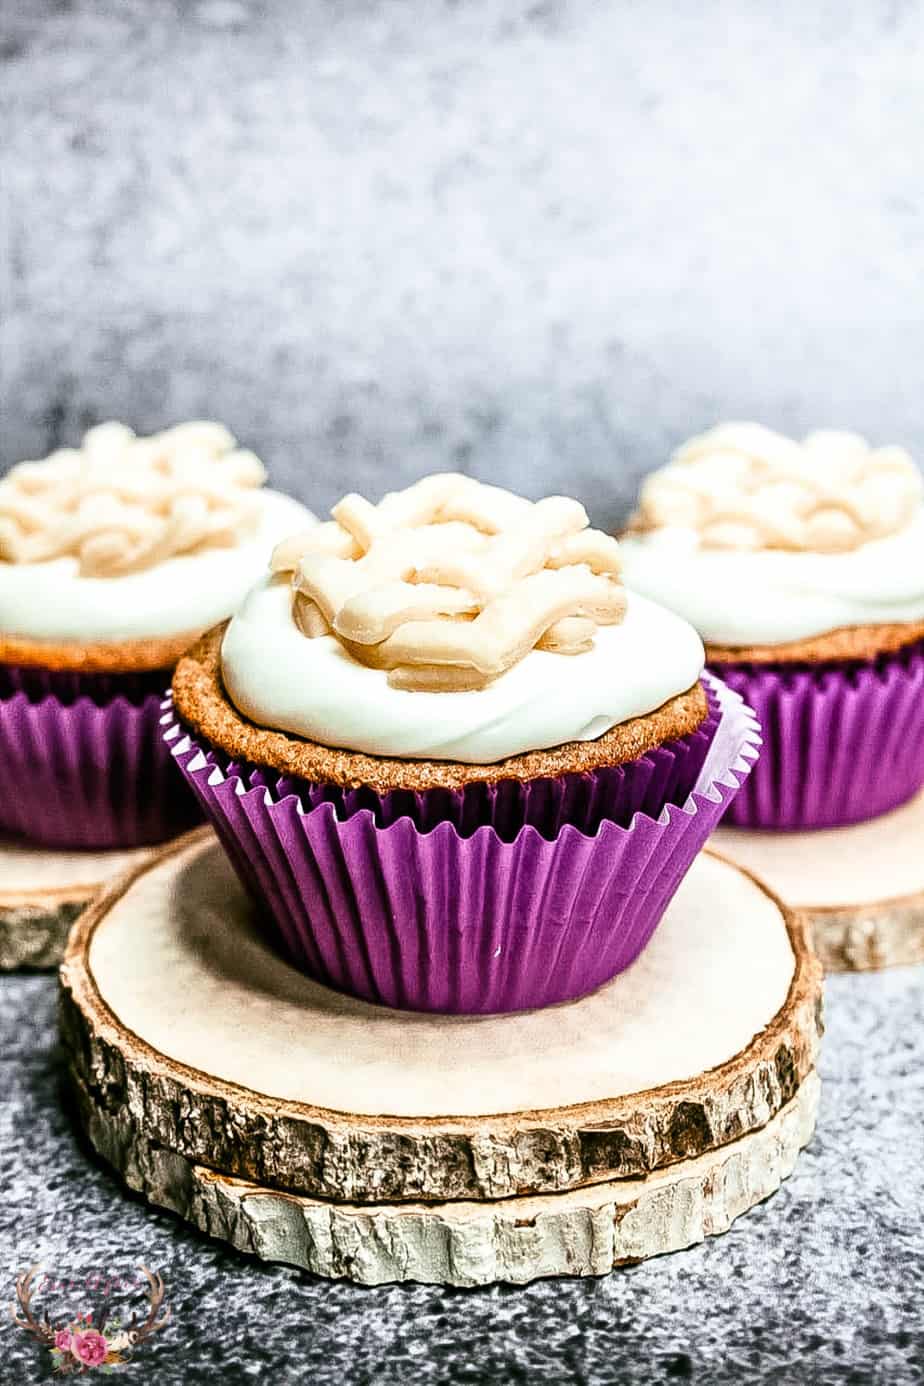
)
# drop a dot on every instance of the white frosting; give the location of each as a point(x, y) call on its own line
point(771, 597)
point(53, 601)
point(315, 689)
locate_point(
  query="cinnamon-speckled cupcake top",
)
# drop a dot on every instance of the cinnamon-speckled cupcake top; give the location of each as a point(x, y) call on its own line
point(455, 622)
point(203, 703)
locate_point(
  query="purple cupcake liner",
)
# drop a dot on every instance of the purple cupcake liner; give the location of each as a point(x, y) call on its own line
point(665, 775)
point(843, 743)
point(432, 920)
point(82, 760)
point(67, 685)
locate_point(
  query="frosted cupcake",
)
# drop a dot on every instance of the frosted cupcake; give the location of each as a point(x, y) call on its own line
point(802, 567)
point(456, 765)
point(113, 558)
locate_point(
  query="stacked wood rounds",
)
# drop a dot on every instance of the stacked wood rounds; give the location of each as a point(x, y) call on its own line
point(308, 1127)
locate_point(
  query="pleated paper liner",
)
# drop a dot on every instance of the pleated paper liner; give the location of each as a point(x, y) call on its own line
point(667, 774)
point(843, 743)
point(437, 921)
point(67, 685)
point(82, 760)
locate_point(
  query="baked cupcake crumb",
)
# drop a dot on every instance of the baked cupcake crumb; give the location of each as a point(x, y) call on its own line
point(846, 643)
point(96, 657)
point(202, 703)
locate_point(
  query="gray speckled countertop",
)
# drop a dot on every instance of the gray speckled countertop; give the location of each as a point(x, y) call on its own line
point(542, 242)
point(822, 1283)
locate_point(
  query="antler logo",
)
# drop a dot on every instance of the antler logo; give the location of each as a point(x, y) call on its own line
point(82, 1344)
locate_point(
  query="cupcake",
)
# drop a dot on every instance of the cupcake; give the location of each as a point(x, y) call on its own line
point(457, 766)
point(800, 564)
point(113, 557)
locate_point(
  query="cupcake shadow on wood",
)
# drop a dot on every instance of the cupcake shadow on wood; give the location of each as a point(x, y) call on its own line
point(113, 557)
point(459, 769)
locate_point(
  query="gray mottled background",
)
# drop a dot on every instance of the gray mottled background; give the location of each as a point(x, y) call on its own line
point(540, 241)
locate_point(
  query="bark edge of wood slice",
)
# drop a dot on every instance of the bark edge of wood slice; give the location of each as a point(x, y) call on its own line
point(327, 1152)
point(860, 889)
point(589, 1231)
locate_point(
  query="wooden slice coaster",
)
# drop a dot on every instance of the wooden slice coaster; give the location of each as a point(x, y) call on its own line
point(41, 893)
point(185, 1031)
point(587, 1231)
point(861, 889)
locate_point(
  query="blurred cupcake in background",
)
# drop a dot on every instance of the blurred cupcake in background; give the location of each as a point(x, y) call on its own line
point(802, 567)
point(114, 556)
point(458, 767)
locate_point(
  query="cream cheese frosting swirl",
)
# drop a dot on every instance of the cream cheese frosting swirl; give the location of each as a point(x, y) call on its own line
point(313, 649)
point(119, 503)
point(758, 540)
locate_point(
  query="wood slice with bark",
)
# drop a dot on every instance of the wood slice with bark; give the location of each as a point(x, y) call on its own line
point(585, 1231)
point(860, 888)
point(188, 1032)
point(42, 891)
